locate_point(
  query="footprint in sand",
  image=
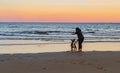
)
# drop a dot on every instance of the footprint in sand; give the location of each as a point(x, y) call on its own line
point(82, 62)
point(99, 67)
point(44, 68)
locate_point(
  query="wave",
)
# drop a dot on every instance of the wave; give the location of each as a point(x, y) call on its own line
point(89, 32)
point(65, 33)
point(19, 33)
point(62, 31)
point(116, 33)
point(33, 32)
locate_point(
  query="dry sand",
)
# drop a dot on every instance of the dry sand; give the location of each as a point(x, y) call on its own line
point(32, 57)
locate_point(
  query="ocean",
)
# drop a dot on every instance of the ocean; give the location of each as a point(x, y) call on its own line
point(93, 32)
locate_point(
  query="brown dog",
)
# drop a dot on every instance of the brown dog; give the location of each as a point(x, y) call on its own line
point(73, 45)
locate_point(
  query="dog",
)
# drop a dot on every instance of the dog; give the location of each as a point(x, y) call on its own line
point(73, 45)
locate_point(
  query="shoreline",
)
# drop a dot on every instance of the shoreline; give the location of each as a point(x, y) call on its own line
point(37, 46)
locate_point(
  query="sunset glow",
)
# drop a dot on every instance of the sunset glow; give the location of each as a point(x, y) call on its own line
point(59, 10)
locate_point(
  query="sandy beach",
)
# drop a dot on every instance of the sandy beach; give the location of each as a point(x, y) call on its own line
point(33, 56)
point(38, 36)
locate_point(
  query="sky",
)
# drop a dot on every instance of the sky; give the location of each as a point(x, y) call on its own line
point(59, 10)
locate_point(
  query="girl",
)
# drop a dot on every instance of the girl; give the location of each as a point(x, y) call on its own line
point(80, 39)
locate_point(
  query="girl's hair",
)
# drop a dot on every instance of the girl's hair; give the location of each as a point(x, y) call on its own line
point(78, 29)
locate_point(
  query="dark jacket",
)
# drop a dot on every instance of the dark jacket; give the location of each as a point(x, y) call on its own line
point(80, 35)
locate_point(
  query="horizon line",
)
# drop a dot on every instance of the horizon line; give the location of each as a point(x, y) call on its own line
point(52, 22)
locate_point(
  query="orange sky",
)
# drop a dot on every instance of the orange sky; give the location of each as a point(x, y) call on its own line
point(60, 10)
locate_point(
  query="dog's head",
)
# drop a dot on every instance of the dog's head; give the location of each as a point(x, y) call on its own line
point(73, 40)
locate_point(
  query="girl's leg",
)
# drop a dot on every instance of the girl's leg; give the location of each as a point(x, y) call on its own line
point(80, 46)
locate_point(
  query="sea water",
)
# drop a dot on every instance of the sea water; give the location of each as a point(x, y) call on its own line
point(59, 31)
